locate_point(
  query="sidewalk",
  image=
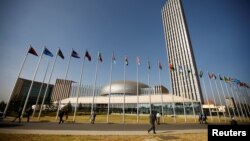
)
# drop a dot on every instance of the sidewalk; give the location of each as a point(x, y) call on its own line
point(97, 129)
point(77, 132)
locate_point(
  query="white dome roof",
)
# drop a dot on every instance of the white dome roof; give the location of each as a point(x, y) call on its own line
point(117, 87)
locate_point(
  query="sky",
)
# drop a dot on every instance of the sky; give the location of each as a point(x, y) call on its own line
point(219, 32)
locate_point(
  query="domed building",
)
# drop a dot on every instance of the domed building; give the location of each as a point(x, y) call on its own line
point(127, 96)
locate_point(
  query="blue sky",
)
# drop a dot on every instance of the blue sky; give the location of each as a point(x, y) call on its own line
point(219, 33)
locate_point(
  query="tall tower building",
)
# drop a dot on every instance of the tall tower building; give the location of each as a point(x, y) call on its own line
point(183, 71)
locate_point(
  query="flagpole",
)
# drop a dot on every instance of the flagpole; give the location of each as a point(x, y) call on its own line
point(92, 106)
point(235, 104)
point(161, 95)
point(150, 109)
point(173, 104)
point(47, 86)
point(199, 76)
point(211, 116)
point(225, 99)
point(247, 108)
point(240, 105)
point(247, 94)
point(137, 92)
point(246, 100)
point(110, 81)
point(183, 103)
point(32, 82)
point(213, 95)
point(78, 89)
point(65, 77)
point(19, 73)
point(219, 98)
point(40, 90)
point(245, 105)
point(229, 97)
point(123, 109)
point(192, 100)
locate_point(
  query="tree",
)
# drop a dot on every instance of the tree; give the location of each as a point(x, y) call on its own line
point(80, 107)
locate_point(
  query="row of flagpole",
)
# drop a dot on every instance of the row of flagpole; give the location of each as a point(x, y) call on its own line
point(74, 54)
point(233, 82)
point(87, 55)
point(201, 73)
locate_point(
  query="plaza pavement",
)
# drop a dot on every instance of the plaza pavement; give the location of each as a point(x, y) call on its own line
point(97, 129)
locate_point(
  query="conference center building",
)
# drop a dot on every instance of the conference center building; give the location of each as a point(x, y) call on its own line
point(118, 94)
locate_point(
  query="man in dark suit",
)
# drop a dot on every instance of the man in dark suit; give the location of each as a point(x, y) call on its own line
point(61, 114)
point(152, 120)
point(29, 112)
point(19, 113)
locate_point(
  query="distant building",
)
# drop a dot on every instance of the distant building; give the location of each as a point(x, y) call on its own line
point(21, 90)
point(214, 108)
point(61, 89)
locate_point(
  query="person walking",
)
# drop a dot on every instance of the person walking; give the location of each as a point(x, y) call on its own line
point(200, 118)
point(158, 116)
point(19, 113)
point(204, 118)
point(61, 114)
point(29, 112)
point(152, 120)
point(92, 117)
point(233, 121)
point(66, 114)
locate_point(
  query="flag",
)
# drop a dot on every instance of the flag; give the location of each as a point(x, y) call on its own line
point(210, 75)
point(201, 74)
point(215, 77)
point(160, 66)
point(75, 54)
point(149, 65)
point(236, 81)
point(99, 57)
point(87, 55)
point(47, 52)
point(138, 61)
point(241, 84)
point(59, 53)
point(227, 79)
point(245, 85)
point(221, 78)
point(171, 67)
point(113, 58)
point(126, 60)
point(32, 51)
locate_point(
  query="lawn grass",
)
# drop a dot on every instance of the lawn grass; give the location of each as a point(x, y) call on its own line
point(143, 119)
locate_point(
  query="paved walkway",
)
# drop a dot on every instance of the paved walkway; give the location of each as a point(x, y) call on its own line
point(97, 129)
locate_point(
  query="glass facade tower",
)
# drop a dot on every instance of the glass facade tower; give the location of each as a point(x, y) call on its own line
point(183, 71)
